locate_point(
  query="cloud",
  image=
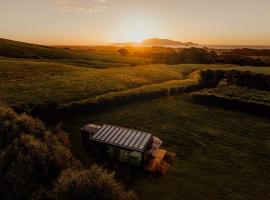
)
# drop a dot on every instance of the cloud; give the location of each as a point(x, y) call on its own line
point(88, 6)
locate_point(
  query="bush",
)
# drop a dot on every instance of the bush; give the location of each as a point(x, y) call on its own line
point(24, 168)
point(13, 125)
point(236, 98)
point(123, 52)
point(211, 78)
point(94, 183)
point(29, 165)
point(32, 159)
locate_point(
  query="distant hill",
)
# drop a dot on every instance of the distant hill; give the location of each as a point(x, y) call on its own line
point(156, 42)
point(165, 42)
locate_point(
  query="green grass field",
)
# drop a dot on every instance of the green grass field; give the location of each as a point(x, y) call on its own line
point(35, 74)
point(42, 82)
point(220, 154)
point(30, 82)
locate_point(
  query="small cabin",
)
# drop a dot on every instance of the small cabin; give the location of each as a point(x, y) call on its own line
point(129, 146)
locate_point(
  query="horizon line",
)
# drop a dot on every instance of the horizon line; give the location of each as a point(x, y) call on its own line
point(138, 43)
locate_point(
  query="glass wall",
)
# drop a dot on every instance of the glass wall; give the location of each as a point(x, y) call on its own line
point(125, 156)
point(135, 158)
point(111, 151)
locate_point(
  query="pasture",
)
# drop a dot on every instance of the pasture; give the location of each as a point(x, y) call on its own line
point(221, 154)
point(43, 82)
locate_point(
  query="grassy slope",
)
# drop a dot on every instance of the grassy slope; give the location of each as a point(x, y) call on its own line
point(14, 49)
point(41, 82)
point(220, 154)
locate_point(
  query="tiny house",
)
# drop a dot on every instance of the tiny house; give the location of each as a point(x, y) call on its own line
point(129, 146)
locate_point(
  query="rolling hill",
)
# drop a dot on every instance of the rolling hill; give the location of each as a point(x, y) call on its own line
point(164, 42)
point(15, 49)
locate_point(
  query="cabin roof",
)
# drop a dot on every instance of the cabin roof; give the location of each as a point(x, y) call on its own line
point(122, 137)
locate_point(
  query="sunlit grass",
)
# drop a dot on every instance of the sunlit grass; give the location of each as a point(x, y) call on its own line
point(30, 82)
point(25, 82)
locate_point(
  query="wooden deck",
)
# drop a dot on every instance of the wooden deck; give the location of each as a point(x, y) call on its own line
point(157, 164)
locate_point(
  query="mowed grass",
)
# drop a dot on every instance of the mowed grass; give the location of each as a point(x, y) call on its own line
point(220, 154)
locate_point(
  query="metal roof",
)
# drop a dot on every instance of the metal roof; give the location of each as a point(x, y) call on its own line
point(122, 137)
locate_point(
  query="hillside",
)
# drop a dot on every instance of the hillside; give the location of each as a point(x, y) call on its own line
point(155, 42)
point(164, 42)
point(50, 82)
point(14, 49)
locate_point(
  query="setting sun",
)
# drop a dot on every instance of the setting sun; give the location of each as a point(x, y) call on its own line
point(134, 29)
point(137, 30)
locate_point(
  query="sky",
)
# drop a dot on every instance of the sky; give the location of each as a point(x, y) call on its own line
point(92, 22)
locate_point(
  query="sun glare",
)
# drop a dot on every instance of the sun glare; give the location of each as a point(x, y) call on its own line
point(135, 29)
point(137, 36)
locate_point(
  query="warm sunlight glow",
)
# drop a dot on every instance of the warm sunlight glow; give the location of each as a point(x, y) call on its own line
point(137, 36)
point(134, 29)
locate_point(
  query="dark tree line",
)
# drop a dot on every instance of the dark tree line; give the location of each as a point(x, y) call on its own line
point(205, 56)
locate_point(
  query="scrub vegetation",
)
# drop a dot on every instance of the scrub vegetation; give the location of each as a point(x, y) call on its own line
point(36, 163)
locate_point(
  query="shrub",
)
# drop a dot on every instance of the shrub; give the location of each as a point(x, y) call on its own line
point(123, 52)
point(30, 164)
point(236, 98)
point(94, 183)
point(32, 159)
point(31, 156)
point(13, 125)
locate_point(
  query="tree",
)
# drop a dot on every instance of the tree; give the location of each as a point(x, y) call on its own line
point(124, 52)
point(94, 183)
point(13, 125)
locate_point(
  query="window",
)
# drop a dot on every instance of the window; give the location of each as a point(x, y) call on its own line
point(110, 151)
point(123, 155)
point(135, 158)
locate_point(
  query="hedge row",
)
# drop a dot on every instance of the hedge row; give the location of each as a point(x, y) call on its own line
point(197, 80)
point(115, 98)
point(260, 81)
point(234, 101)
